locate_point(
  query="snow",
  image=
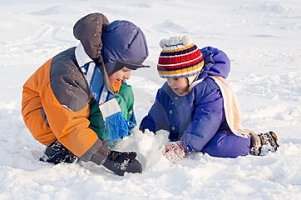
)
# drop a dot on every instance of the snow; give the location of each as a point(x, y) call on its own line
point(262, 39)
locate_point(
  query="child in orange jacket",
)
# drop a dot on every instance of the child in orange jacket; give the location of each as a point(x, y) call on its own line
point(78, 99)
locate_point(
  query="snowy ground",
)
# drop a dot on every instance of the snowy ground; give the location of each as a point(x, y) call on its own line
point(262, 39)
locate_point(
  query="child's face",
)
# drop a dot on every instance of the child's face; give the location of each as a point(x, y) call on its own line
point(178, 85)
point(124, 73)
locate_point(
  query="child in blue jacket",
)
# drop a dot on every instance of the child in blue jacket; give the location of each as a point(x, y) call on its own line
point(197, 106)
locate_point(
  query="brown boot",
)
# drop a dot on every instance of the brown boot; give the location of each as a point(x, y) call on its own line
point(263, 143)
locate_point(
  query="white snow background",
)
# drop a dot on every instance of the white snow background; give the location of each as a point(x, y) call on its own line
point(262, 39)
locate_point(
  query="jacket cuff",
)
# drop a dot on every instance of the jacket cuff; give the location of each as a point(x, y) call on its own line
point(101, 155)
point(186, 146)
point(98, 153)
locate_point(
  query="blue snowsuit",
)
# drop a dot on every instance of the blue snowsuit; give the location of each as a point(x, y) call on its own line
point(198, 118)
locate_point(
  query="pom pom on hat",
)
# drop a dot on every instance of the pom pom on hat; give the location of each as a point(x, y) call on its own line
point(175, 42)
point(180, 57)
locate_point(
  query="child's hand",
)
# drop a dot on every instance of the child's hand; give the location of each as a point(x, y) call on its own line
point(174, 151)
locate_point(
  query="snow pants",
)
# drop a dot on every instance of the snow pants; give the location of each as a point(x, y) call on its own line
point(226, 144)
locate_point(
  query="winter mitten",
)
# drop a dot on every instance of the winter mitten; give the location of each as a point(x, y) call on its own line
point(174, 151)
point(56, 153)
point(263, 143)
point(121, 162)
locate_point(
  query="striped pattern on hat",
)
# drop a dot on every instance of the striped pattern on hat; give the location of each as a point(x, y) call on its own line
point(179, 58)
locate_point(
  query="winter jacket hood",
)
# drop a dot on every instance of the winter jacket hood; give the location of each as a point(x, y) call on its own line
point(89, 30)
point(217, 63)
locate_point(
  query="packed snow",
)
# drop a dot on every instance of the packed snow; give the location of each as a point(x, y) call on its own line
point(262, 40)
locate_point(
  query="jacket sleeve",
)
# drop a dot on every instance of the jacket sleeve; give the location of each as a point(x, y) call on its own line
point(156, 118)
point(65, 98)
point(207, 118)
point(71, 127)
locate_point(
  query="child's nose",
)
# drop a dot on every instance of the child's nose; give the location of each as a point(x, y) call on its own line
point(127, 75)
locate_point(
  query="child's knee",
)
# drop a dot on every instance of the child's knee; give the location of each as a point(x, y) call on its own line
point(228, 145)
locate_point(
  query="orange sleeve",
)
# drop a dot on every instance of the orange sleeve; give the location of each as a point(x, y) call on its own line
point(69, 127)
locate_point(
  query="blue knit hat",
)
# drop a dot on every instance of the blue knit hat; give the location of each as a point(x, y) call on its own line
point(124, 45)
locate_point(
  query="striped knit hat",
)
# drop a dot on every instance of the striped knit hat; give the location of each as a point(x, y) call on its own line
point(179, 58)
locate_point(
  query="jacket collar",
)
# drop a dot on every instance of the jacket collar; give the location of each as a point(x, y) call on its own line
point(81, 56)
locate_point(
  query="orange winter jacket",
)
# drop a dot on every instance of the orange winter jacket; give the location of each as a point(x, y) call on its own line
point(61, 93)
point(56, 98)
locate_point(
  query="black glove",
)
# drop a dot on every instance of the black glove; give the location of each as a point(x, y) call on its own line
point(56, 153)
point(121, 162)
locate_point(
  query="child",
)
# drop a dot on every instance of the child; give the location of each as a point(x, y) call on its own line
point(197, 107)
point(78, 99)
